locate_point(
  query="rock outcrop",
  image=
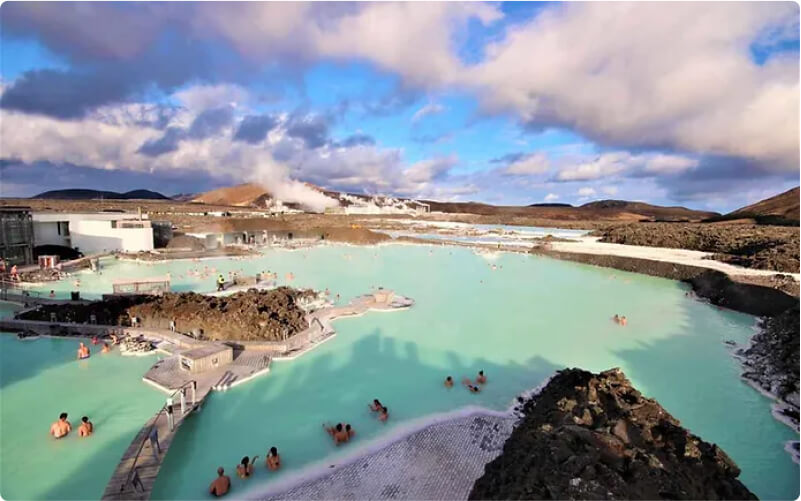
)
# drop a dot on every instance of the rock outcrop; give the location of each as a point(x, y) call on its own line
point(593, 436)
point(771, 363)
point(752, 246)
point(254, 315)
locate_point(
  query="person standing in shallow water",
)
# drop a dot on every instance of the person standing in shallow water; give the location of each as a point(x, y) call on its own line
point(86, 428)
point(220, 486)
point(61, 427)
point(448, 382)
point(273, 459)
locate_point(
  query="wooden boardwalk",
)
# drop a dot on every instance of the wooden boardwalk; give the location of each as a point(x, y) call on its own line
point(136, 472)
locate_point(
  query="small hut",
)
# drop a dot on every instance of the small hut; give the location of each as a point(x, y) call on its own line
point(206, 358)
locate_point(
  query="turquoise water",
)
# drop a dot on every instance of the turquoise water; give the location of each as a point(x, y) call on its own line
point(39, 379)
point(518, 323)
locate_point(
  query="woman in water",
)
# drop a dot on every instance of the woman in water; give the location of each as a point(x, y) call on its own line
point(481, 379)
point(273, 459)
point(375, 406)
point(83, 351)
point(383, 414)
point(245, 468)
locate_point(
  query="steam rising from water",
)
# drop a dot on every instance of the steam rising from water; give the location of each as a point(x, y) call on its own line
point(274, 177)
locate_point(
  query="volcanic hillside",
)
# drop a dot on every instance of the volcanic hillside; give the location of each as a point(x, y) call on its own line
point(783, 206)
point(242, 195)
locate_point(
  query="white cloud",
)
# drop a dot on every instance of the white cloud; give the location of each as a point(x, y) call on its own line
point(609, 190)
point(609, 165)
point(586, 192)
point(536, 163)
point(201, 97)
point(429, 109)
point(550, 197)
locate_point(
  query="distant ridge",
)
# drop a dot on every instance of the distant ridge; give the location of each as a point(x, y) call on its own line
point(86, 194)
point(781, 209)
point(550, 204)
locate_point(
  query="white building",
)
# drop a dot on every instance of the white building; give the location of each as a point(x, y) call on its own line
point(94, 232)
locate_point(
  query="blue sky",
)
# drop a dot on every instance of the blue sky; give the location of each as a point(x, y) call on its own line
point(506, 103)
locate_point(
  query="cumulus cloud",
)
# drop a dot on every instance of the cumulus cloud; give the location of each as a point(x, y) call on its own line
point(608, 165)
point(254, 128)
point(620, 74)
point(523, 164)
point(551, 197)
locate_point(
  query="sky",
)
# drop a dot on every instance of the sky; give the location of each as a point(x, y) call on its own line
point(693, 104)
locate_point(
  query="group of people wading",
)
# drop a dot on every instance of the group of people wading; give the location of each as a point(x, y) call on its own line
point(340, 433)
point(62, 427)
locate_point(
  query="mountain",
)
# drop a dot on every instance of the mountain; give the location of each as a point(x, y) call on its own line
point(242, 195)
point(550, 204)
point(86, 194)
point(672, 213)
point(605, 210)
point(779, 209)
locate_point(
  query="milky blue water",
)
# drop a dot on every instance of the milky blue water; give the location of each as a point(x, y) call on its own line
point(519, 323)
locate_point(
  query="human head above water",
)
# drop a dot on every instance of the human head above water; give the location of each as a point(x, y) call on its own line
point(220, 471)
point(63, 415)
point(84, 419)
point(273, 451)
point(245, 461)
point(339, 426)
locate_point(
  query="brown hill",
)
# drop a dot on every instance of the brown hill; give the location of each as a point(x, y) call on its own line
point(784, 205)
point(242, 195)
point(606, 210)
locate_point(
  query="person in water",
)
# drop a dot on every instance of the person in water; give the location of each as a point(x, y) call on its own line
point(86, 428)
point(245, 467)
point(273, 459)
point(52, 294)
point(481, 379)
point(221, 484)
point(106, 348)
point(448, 382)
point(61, 427)
point(350, 432)
point(338, 432)
point(383, 414)
point(83, 351)
point(470, 386)
point(623, 321)
point(375, 406)
point(616, 318)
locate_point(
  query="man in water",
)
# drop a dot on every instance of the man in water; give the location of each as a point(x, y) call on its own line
point(221, 484)
point(481, 379)
point(470, 386)
point(623, 320)
point(273, 459)
point(86, 427)
point(61, 427)
point(106, 348)
point(448, 382)
point(83, 351)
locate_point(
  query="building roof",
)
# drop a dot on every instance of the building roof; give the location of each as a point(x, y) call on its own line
point(205, 351)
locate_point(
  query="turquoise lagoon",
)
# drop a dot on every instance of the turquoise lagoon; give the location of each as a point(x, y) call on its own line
point(519, 322)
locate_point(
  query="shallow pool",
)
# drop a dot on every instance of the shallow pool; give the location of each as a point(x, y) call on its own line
point(519, 323)
point(39, 379)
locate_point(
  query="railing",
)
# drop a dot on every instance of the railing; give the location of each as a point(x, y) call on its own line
point(6, 285)
point(132, 478)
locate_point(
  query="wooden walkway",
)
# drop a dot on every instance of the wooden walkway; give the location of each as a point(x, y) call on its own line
point(136, 472)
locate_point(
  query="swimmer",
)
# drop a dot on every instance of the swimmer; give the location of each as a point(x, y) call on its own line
point(115, 339)
point(616, 318)
point(470, 386)
point(95, 340)
point(245, 468)
point(448, 382)
point(83, 351)
point(375, 406)
point(221, 484)
point(383, 414)
point(338, 432)
point(623, 321)
point(86, 428)
point(61, 427)
point(350, 431)
point(52, 294)
point(106, 348)
point(481, 379)
point(273, 459)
